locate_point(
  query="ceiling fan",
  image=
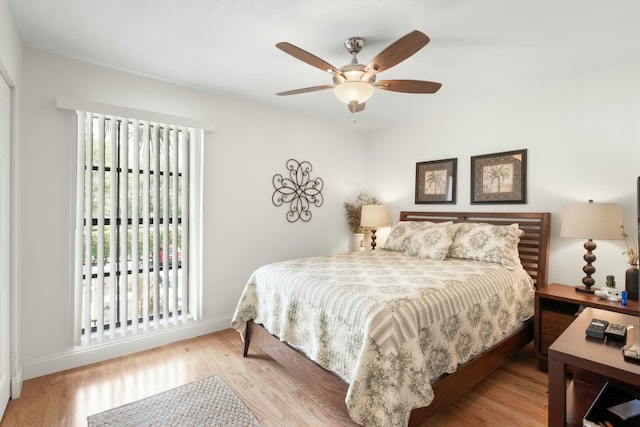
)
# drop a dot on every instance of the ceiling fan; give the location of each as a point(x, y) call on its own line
point(354, 83)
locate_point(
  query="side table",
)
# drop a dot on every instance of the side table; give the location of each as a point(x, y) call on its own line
point(602, 361)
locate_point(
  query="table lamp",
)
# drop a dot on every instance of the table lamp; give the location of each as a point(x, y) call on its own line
point(591, 221)
point(373, 217)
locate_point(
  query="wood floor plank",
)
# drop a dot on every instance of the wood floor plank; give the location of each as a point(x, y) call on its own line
point(514, 395)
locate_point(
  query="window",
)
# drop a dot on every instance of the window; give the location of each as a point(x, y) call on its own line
point(132, 226)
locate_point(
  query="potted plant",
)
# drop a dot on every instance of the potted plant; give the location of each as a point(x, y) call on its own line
point(353, 212)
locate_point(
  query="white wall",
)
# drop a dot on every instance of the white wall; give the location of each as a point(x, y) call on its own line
point(242, 228)
point(582, 133)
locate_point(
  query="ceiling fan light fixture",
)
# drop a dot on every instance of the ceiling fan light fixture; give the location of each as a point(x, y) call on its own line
point(350, 91)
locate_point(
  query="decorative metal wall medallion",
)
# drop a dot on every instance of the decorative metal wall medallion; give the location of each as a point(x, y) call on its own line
point(298, 191)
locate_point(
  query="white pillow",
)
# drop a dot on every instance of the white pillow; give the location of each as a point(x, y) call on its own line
point(432, 243)
point(402, 230)
point(487, 242)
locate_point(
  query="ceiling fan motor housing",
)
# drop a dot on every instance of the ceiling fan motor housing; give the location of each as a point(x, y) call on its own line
point(353, 73)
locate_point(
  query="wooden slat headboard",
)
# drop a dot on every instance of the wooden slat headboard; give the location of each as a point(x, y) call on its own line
point(534, 244)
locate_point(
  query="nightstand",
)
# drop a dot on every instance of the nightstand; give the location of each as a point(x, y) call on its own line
point(557, 307)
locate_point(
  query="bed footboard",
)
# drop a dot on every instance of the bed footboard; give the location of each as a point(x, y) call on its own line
point(325, 384)
point(332, 389)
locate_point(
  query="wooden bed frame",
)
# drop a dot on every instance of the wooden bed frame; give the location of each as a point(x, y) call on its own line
point(534, 254)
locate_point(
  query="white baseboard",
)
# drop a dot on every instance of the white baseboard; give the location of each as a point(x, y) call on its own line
point(16, 384)
point(80, 356)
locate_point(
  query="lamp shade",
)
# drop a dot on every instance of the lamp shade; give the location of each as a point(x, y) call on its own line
point(349, 91)
point(592, 221)
point(374, 216)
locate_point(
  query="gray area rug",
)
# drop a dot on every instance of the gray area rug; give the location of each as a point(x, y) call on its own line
point(206, 402)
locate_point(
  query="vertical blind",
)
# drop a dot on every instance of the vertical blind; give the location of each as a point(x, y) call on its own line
point(132, 228)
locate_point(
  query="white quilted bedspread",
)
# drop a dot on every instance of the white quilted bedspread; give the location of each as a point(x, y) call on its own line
point(387, 323)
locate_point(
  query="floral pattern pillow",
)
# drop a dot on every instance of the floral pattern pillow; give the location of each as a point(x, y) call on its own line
point(432, 243)
point(487, 242)
point(402, 230)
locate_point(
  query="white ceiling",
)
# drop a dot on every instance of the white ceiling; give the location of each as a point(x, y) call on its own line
point(228, 46)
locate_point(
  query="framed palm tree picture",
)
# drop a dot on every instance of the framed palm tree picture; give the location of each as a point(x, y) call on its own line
point(499, 177)
point(436, 181)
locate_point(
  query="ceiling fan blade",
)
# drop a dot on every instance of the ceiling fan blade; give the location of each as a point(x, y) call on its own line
point(355, 107)
point(398, 51)
point(408, 86)
point(307, 57)
point(304, 90)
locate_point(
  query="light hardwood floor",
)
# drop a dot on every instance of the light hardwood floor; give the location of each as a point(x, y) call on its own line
point(514, 395)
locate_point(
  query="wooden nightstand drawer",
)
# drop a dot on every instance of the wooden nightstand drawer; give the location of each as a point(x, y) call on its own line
point(554, 323)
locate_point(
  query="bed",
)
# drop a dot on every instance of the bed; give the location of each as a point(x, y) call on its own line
point(415, 334)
